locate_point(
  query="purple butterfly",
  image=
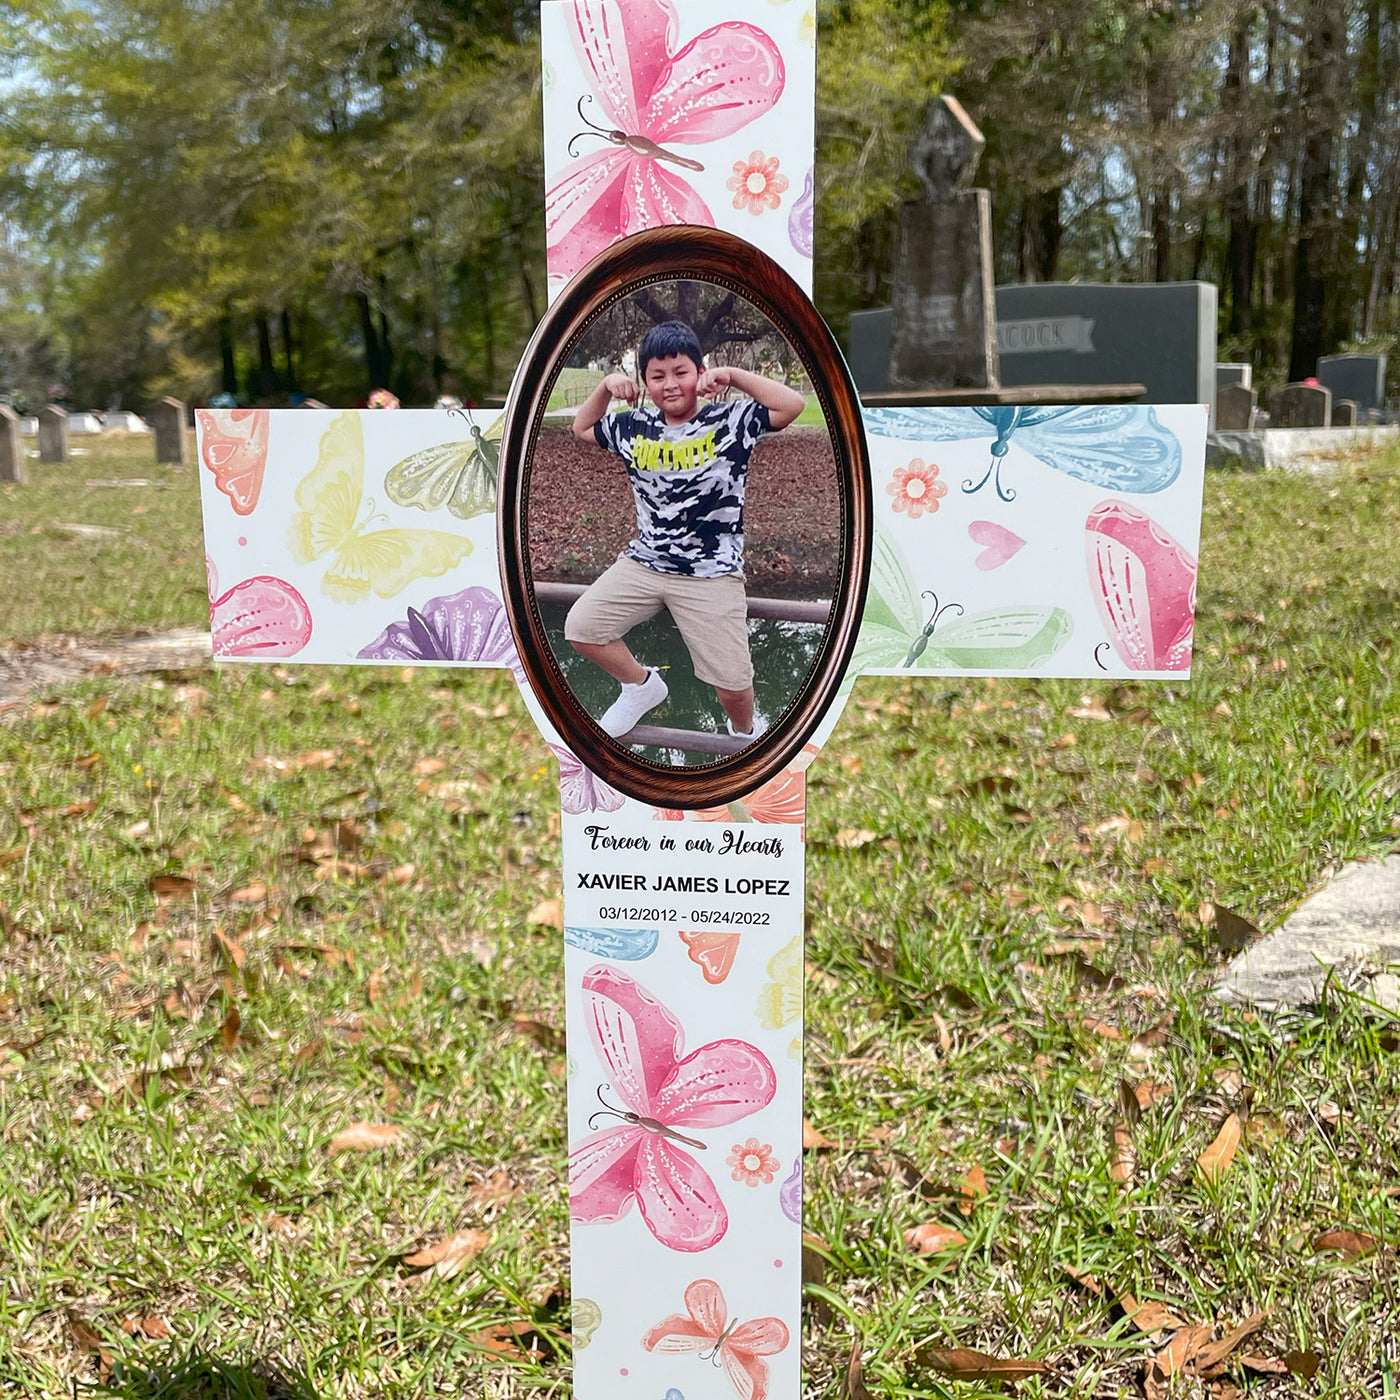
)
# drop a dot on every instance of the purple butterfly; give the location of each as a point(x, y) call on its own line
point(466, 626)
point(580, 789)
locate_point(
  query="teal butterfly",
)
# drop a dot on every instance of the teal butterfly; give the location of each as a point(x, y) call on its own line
point(895, 636)
point(460, 476)
point(623, 944)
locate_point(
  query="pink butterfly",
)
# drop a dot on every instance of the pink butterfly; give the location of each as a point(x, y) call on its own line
point(259, 617)
point(641, 1044)
point(580, 789)
point(718, 83)
point(737, 1346)
point(1144, 583)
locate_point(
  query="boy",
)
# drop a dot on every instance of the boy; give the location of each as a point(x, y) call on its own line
point(688, 467)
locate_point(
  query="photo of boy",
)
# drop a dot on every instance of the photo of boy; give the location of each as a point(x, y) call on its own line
point(687, 465)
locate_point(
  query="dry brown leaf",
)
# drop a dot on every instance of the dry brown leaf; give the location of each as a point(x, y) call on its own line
point(545, 1036)
point(85, 1338)
point(1215, 1161)
point(813, 1139)
point(1123, 1166)
point(228, 1032)
point(152, 1328)
point(972, 1188)
point(1149, 1318)
point(1353, 1244)
point(448, 1257)
point(495, 1190)
point(170, 888)
point(1097, 1027)
point(400, 875)
point(1303, 1363)
point(1329, 1115)
point(852, 1385)
point(513, 1339)
point(851, 838)
point(1233, 931)
point(1215, 1353)
point(945, 1038)
point(309, 1051)
point(1181, 1350)
point(549, 913)
point(232, 948)
point(375, 990)
point(962, 1363)
point(364, 1137)
point(1264, 1365)
point(1151, 1091)
point(250, 894)
point(1086, 1280)
point(426, 767)
point(933, 1238)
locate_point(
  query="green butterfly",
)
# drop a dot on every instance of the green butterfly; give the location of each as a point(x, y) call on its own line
point(458, 475)
point(894, 635)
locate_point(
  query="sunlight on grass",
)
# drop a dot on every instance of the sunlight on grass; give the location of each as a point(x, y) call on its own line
point(348, 859)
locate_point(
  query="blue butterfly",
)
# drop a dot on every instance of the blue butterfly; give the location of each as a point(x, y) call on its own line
point(1122, 447)
point(621, 944)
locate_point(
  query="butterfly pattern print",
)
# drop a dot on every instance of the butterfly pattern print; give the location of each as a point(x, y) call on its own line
point(652, 98)
point(704, 1330)
point(457, 476)
point(260, 617)
point(665, 1096)
point(331, 498)
point(233, 446)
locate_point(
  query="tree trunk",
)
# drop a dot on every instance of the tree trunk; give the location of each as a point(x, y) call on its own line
point(1239, 256)
point(1162, 233)
point(267, 370)
point(229, 366)
point(1367, 93)
point(374, 362)
point(1319, 84)
point(1041, 234)
point(289, 371)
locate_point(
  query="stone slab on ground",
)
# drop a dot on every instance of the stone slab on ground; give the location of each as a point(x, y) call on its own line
point(1348, 932)
point(1296, 449)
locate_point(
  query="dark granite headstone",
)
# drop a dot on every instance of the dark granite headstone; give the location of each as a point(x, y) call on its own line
point(1360, 378)
point(167, 420)
point(1161, 334)
point(1344, 413)
point(12, 464)
point(1234, 372)
point(53, 433)
point(1300, 406)
point(944, 315)
point(1234, 407)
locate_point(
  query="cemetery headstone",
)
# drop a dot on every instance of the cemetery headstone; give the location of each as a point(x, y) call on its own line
point(1300, 406)
point(1357, 377)
point(1159, 334)
point(12, 464)
point(943, 333)
point(1234, 407)
point(167, 420)
point(53, 433)
point(1345, 413)
point(1261, 420)
point(1234, 372)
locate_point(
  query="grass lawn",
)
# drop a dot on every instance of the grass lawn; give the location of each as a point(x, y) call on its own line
point(243, 911)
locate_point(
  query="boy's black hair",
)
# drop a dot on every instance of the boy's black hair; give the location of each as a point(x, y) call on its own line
point(669, 338)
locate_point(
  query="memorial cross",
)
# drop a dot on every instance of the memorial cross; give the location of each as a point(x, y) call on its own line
point(1001, 541)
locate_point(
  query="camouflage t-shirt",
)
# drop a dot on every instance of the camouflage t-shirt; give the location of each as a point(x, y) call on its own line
point(688, 481)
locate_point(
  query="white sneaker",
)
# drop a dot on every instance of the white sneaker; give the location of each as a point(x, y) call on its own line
point(632, 704)
point(760, 726)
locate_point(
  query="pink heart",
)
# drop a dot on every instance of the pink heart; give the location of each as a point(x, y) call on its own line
point(1000, 543)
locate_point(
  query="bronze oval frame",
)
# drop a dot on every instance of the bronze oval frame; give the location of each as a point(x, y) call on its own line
point(721, 259)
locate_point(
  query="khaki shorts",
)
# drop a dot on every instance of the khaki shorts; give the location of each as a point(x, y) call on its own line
point(711, 613)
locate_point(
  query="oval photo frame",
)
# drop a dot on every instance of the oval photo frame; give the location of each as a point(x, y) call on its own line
point(722, 260)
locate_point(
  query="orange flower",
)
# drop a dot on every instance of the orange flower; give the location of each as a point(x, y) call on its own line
point(753, 1162)
point(757, 184)
point(916, 488)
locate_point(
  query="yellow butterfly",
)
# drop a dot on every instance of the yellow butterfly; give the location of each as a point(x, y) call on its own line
point(458, 475)
point(330, 498)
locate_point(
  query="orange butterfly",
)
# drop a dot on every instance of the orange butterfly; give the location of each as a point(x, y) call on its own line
point(233, 445)
point(738, 1347)
point(712, 952)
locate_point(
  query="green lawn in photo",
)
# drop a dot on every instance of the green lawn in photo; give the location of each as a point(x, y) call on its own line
point(245, 910)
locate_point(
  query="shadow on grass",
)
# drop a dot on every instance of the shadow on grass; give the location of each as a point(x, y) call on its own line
point(200, 1377)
